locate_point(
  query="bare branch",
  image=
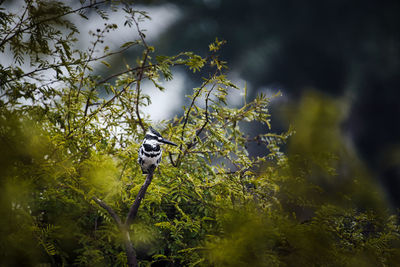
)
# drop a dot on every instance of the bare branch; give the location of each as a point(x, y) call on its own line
point(109, 210)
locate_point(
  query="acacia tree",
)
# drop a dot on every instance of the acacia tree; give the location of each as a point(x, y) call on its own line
point(73, 193)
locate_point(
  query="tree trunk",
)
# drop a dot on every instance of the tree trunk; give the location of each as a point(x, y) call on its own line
point(129, 250)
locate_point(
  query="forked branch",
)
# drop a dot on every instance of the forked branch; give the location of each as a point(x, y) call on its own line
point(124, 227)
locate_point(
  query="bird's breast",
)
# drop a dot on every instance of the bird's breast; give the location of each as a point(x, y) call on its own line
point(151, 148)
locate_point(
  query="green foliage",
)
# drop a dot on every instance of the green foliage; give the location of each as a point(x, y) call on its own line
point(210, 203)
point(319, 208)
point(333, 237)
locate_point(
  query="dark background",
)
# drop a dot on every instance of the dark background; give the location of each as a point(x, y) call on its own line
point(345, 49)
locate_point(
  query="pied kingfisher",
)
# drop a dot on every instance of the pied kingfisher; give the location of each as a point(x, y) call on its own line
point(150, 151)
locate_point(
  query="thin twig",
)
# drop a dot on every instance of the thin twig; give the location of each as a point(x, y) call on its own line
point(112, 99)
point(140, 74)
point(190, 144)
point(206, 112)
point(140, 77)
point(88, 117)
point(123, 72)
point(19, 24)
point(190, 108)
point(85, 66)
point(88, 101)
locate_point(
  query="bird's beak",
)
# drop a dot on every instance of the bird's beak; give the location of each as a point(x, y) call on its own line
point(165, 141)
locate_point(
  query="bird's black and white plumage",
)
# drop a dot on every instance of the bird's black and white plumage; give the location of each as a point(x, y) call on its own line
point(150, 150)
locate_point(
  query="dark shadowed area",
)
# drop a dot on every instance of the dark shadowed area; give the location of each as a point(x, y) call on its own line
point(349, 50)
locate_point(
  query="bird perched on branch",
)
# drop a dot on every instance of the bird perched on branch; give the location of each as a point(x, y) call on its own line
point(150, 150)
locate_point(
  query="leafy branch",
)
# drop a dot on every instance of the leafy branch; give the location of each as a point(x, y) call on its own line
point(7, 38)
point(73, 63)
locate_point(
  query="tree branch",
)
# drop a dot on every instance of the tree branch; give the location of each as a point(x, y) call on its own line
point(129, 250)
point(17, 25)
point(65, 64)
point(123, 72)
point(32, 25)
point(85, 66)
point(206, 113)
point(124, 228)
point(190, 108)
point(110, 100)
point(171, 159)
point(109, 210)
point(190, 144)
point(140, 74)
point(135, 206)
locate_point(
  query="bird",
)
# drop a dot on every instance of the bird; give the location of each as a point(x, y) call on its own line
point(150, 151)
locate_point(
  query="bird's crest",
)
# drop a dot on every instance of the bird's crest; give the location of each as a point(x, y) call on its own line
point(151, 130)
